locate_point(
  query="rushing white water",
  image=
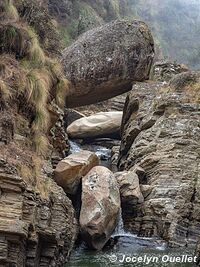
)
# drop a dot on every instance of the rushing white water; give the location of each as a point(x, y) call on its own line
point(103, 153)
point(119, 230)
point(74, 147)
point(122, 242)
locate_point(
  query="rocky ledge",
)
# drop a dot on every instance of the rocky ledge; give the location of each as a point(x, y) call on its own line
point(161, 133)
point(33, 231)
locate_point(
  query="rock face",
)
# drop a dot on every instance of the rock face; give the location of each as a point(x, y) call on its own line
point(129, 189)
point(166, 70)
point(103, 124)
point(105, 61)
point(161, 134)
point(72, 115)
point(58, 135)
point(100, 206)
point(70, 170)
point(33, 231)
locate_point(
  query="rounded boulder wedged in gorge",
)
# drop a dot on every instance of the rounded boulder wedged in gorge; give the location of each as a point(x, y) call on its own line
point(70, 170)
point(105, 61)
point(100, 207)
point(102, 124)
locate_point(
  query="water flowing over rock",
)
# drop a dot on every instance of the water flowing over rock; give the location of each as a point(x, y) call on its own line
point(105, 61)
point(161, 134)
point(103, 124)
point(70, 170)
point(100, 206)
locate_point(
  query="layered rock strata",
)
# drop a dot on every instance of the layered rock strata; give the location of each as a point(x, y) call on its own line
point(161, 134)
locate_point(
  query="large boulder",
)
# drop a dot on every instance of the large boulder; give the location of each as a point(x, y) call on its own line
point(103, 124)
point(70, 170)
point(100, 206)
point(105, 61)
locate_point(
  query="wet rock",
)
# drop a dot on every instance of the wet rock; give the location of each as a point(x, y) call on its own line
point(103, 124)
point(105, 61)
point(168, 152)
point(115, 154)
point(106, 142)
point(100, 206)
point(70, 170)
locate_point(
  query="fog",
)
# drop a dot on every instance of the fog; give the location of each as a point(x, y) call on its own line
point(175, 25)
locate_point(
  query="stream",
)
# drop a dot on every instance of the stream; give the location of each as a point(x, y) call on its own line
point(124, 248)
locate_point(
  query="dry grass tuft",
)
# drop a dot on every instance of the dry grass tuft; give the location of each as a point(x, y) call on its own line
point(43, 78)
point(5, 91)
point(55, 69)
point(8, 11)
point(41, 121)
point(41, 144)
point(37, 91)
point(21, 41)
point(42, 183)
point(36, 53)
point(61, 83)
point(5, 94)
point(26, 172)
point(62, 90)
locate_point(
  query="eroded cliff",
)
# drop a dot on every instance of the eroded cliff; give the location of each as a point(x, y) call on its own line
point(37, 222)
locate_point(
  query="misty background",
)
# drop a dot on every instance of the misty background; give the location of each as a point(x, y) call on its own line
point(175, 24)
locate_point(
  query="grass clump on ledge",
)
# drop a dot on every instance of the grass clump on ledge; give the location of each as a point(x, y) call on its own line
point(22, 42)
point(37, 94)
point(36, 54)
point(41, 145)
point(60, 82)
point(35, 76)
point(8, 11)
point(5, 94)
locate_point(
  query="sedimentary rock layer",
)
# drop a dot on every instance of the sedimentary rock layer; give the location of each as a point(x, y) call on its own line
point(161, 134)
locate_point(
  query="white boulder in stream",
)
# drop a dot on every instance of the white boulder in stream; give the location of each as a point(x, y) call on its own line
point(70, 170)
point(100, 206)
point(102, 124)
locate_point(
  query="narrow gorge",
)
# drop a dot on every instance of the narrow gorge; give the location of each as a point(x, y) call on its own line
point(99, 141)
